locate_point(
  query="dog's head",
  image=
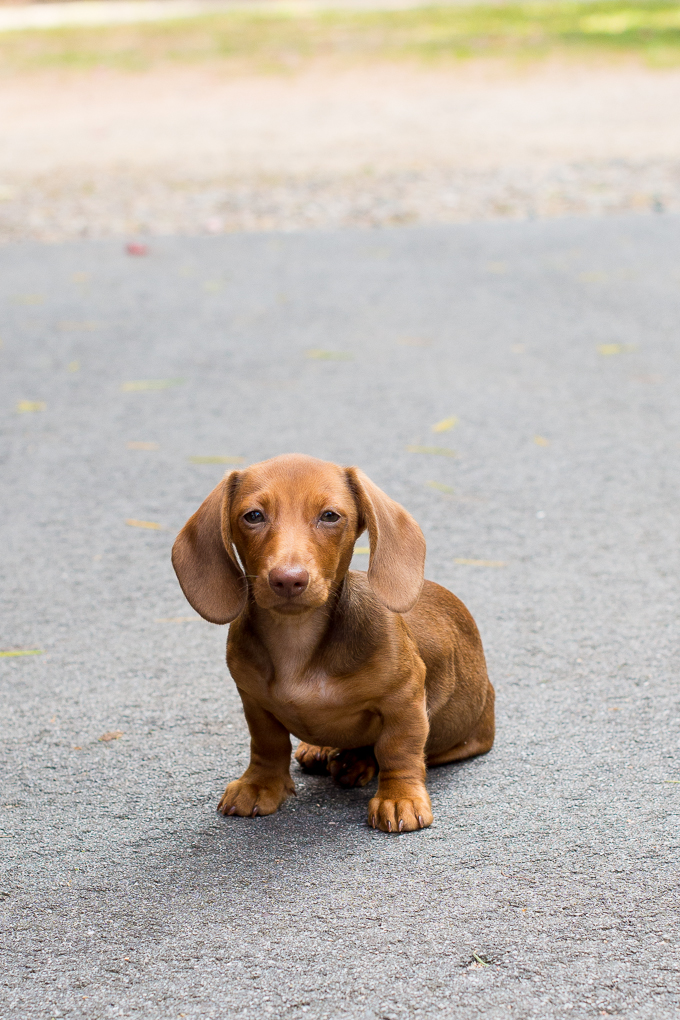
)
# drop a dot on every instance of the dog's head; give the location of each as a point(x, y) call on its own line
point(294, 521)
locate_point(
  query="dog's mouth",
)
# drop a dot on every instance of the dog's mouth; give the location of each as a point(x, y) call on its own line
point(290, 591)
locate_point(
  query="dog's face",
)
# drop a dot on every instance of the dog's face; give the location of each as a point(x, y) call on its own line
point(294, 521)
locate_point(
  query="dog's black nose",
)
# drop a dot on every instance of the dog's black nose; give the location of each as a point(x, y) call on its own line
point(288, 581)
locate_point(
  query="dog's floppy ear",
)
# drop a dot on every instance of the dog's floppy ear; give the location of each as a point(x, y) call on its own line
point(397, 564)
point(204, 560)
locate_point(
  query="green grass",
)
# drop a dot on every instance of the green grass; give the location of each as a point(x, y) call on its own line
point(278, 42)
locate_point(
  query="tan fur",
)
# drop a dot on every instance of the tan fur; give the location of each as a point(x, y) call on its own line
point(378, 671)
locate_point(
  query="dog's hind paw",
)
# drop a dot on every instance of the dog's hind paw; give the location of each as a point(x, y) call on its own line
point(313, 759)
point(355, 767)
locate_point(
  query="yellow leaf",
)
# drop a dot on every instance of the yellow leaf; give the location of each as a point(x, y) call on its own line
point(437, 451)
point(143, 524)
point(29, 299)
point(74, 324)
point(213, 286)
point(30, 405)
point(150, 384)
point(440, 487)
point(446, 424)
point(609, 349)
point(362, 550)
point(141, 446)
point(217, 460)
point(540, 441)
point(414, 341)
point(113, 735)
point(81, 277)
point(595, 277)
point(23, 651)
point(480, 563)
point(74, 366)
point(320, 355)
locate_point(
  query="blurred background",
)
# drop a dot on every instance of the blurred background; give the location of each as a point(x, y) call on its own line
point(186, 116)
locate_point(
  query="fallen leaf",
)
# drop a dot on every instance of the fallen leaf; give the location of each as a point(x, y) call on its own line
point(81, 277)
point(135, 248)
point(446, 424)
point(414, 341)
point(480, 960)
point(362, 550)
point(77, 748)
point(497, 267)
point(177, 619)
point(143, 524)
point(540, 441)
point(29, 299)
point(76, 324)
point(213, 286)
point(518, 348)
point(606, 350)
point(437, 451)
point(669, 780)
point(21, 651)
point(217, 460)
point(113, 735)
point(594, 277)
point(74, 366)
point(150, 384)
point(320, 355)
point(441, 487)
point(479, 563)
point(141, 446)
point(25, 406)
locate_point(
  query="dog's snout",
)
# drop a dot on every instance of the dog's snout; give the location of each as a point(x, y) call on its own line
point(288, 581)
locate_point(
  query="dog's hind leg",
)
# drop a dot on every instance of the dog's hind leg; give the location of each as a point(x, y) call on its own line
point(355, 767)
point(479, 742)
point(314, 759)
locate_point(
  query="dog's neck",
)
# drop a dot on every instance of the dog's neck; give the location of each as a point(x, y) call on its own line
point(290, 639)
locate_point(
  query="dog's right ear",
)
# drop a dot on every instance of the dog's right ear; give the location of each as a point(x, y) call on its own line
point(204, 559)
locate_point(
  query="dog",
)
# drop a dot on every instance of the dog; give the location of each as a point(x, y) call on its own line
point(377, 671)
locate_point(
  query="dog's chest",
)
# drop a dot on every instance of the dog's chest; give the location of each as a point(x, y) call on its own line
point(321, 709)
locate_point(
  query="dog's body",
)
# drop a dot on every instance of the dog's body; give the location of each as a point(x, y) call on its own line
point(377, 671)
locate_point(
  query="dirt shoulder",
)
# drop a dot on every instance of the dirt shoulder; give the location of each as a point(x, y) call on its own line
point(193, 149)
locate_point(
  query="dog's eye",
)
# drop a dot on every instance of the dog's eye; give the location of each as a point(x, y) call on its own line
point(254, 517)
point(330, 516)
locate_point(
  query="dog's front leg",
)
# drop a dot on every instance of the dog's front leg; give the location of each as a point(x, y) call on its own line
point(402, 803)
point(266, 782)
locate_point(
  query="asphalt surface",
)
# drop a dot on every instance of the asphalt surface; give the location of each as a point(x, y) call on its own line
point(548, 884)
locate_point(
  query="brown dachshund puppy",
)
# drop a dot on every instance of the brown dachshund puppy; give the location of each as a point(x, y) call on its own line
point(378, 671)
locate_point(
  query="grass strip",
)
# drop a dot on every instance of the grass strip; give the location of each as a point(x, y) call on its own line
point(284, 42)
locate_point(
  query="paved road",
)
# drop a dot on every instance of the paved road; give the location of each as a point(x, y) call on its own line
point(555, 857)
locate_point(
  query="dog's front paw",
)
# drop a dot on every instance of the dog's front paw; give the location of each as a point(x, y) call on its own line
point(247, 799)
point(396, 813)
point(313, 759)
point(356, 767)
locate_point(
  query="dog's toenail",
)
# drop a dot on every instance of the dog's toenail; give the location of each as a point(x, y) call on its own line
point(401, 824)
point(232, 810)
point(373, 821)
point(420, 821)
point(255, 811)
point(318, 755)
point(389, 826)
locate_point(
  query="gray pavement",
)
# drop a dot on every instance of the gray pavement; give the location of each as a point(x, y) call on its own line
point(554, 859)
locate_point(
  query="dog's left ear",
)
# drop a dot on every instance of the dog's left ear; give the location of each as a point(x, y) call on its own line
point(396, 569)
